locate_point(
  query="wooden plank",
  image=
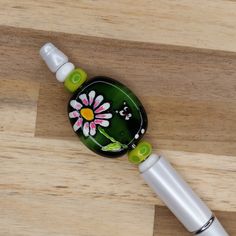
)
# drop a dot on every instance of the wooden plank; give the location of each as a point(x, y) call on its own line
point(166, 223)
point(18, 106)
point(190, 97)
point(38, 165)
point(192, 125)
point(208, 24)
point(30, 214)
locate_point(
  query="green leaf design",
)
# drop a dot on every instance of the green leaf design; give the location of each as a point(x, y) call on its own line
point(102, 131)
point(114, 146)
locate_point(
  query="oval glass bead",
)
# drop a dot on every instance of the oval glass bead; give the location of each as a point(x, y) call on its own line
point(107, 116)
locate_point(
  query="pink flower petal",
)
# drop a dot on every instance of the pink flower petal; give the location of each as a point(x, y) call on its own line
point(97, 101)
point(103, 107)
point(92, 129)
point(78, 124)
point(84, 99)
point(104, 116)
point(86, 129)
point(91, 97)
point(76, 105)
point(103, 123)
point(74, 114)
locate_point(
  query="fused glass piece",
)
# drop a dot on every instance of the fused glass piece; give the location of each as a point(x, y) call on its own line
point(75, 79)
point(108, 118)
point(140, 153)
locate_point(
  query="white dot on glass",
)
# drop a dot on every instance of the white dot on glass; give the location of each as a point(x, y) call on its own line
point(136, 136)
point(142, 131)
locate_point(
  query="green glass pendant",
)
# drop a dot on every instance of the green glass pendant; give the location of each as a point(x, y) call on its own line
point(108, 118)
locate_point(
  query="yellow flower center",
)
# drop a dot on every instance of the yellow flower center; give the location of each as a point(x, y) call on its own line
point(87, 113)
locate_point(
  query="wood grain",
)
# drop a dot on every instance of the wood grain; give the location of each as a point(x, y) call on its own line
point(30, 214)
point(38, 165)
point(16, 102)
point(54, 187)
point(207, 24)
point(170, 81)
point(50, 184)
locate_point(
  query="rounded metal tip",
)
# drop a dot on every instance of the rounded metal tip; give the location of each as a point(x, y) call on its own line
point(45, 50)
point(53, 57)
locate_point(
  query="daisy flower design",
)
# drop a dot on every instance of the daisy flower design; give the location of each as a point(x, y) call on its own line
point(89, 112)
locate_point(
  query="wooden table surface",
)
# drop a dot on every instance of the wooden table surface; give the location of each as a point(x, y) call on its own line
point(179, 57)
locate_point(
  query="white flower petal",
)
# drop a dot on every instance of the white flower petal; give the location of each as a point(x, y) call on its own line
point(91, 97)
point(78, 124)
point(86, 129)
point(104, 116)
point(97, 101)
point(104, 123)
point(76, 105)
point(92, 128)
point(103, 107)
point(84, 99)
point(74, 114)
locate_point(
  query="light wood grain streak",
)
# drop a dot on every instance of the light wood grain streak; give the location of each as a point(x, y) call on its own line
point(208, 24)
point(38, 165)
point(27, 214)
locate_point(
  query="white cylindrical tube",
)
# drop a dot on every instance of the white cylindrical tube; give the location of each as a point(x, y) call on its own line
point(191, 211)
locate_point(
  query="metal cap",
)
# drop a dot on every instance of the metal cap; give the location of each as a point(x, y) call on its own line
point(53, 57)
